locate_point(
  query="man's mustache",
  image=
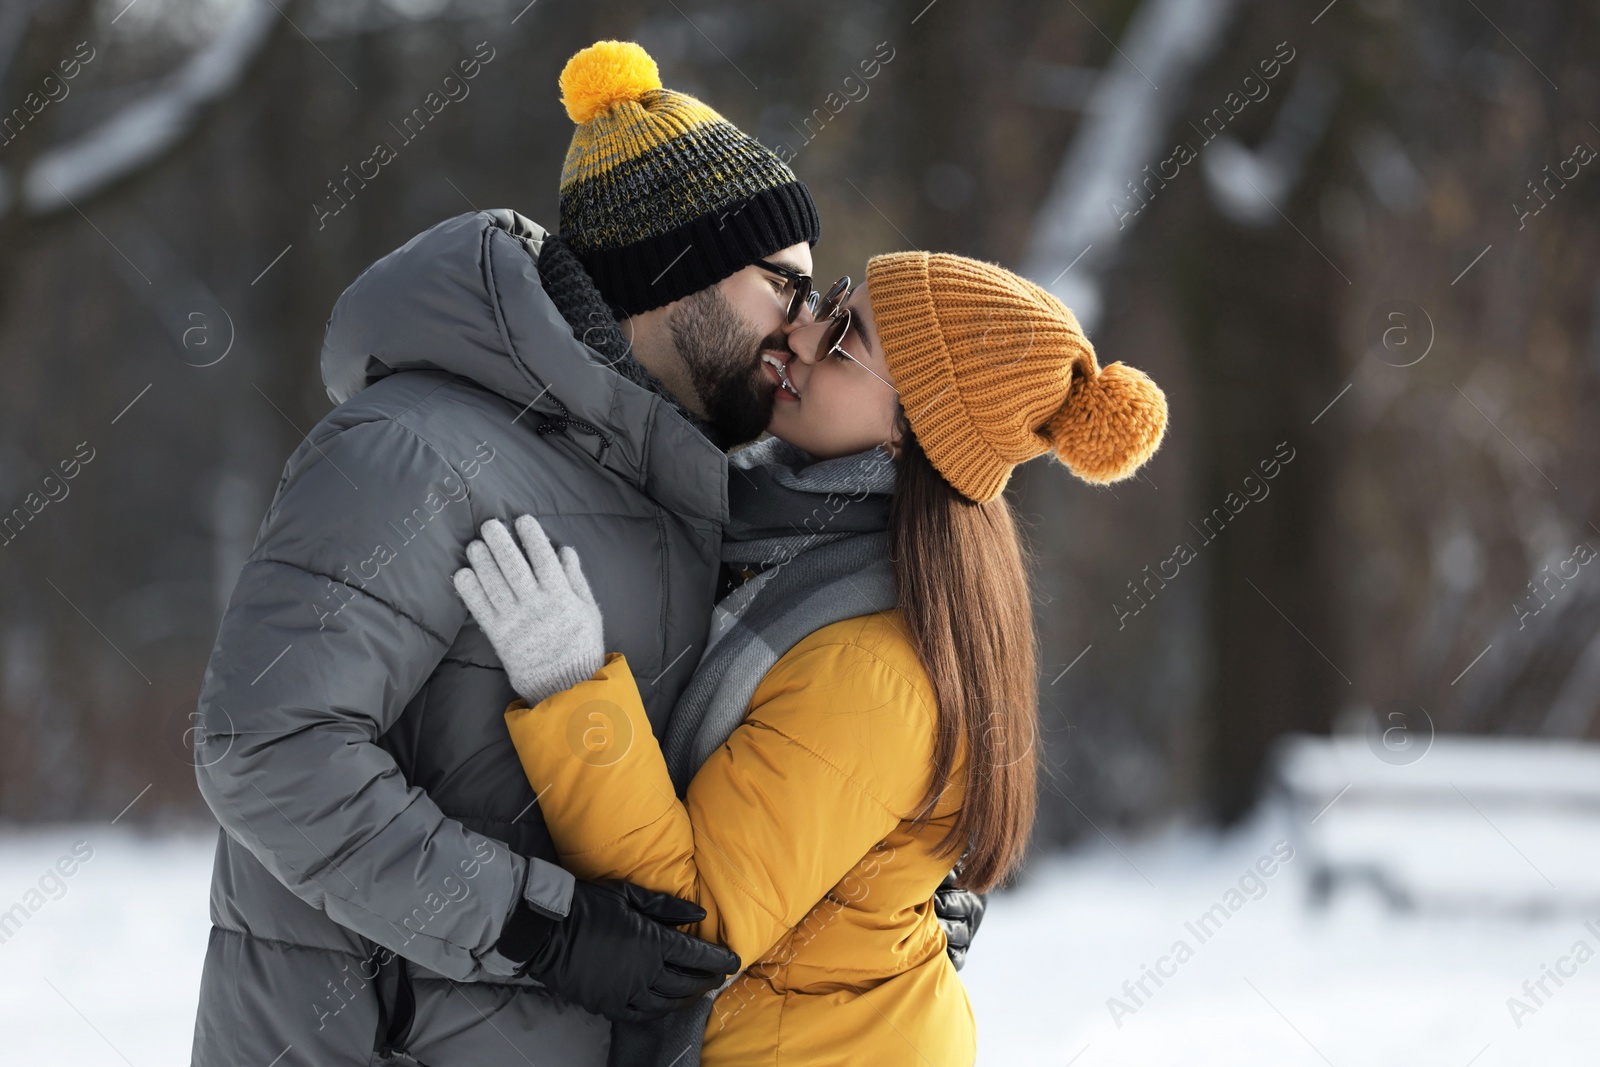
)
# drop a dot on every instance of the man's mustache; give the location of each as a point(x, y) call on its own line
point(777, 342)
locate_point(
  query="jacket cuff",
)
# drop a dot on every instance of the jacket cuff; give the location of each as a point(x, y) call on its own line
point(548, 889)
point(500, 966)
point(546, 899)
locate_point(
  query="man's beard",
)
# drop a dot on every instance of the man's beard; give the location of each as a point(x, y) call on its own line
point(723, 356)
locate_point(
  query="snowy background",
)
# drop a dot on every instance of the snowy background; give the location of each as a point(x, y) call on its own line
point(108, 973)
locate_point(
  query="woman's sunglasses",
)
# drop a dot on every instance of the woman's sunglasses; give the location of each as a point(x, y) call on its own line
point(831, 308)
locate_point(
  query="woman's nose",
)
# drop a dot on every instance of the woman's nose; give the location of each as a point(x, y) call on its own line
point(802, 342)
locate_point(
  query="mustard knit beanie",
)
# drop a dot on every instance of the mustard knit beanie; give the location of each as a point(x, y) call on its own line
point(660, 195)
point(993, 371)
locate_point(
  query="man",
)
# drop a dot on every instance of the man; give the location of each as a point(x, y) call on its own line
point(384, 889)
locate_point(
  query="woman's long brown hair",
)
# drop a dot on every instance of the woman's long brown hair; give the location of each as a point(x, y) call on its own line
point(963, 590)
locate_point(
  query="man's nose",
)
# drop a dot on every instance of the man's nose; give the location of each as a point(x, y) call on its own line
point(805, 317)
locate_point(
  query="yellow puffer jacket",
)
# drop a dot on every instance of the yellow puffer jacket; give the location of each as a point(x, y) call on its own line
point(793, 837)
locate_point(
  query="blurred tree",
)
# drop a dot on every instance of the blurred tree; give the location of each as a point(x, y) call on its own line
point(1386, 567)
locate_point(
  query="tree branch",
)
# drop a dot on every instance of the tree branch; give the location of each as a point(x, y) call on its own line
point(143, 133)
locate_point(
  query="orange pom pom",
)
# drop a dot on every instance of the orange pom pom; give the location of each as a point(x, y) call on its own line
point(1110, 424)
point(604, 75)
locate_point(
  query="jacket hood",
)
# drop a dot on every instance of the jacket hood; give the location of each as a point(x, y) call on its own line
point(465, 297)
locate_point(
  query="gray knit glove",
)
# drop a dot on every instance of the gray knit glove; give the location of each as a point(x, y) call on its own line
point(537, 611)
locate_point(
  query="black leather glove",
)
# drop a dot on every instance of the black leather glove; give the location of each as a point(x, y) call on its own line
point(960, 912)
point(616, 952)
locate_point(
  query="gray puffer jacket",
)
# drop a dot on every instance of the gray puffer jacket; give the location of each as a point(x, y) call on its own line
point(377, 828)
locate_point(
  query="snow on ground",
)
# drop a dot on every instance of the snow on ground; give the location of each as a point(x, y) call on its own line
point(1276, 984)
point(105, 969)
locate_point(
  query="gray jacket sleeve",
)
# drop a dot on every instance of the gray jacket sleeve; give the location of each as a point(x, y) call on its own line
point(342, 612)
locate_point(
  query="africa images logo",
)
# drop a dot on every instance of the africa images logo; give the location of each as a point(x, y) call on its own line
point(599, 732)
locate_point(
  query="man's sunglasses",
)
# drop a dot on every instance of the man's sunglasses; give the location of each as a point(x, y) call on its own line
point(802, 294)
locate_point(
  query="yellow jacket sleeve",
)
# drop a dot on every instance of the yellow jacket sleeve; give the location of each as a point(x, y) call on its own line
point(835, 752)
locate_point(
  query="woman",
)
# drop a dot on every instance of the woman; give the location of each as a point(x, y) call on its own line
point(865, 713)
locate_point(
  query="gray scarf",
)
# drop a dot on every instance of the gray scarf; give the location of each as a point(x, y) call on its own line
point(815, 534)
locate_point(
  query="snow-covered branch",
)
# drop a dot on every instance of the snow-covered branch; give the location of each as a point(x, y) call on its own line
point(145, 131)
point(1135, 99)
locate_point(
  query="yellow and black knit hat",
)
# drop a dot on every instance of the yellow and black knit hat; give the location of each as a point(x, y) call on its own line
point(660, 195)
point(993, 370)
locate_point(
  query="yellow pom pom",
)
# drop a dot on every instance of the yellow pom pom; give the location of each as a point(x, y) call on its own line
point(605, 74)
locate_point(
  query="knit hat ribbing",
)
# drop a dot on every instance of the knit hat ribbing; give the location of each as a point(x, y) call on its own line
point(993, 371)
point(660, 195)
